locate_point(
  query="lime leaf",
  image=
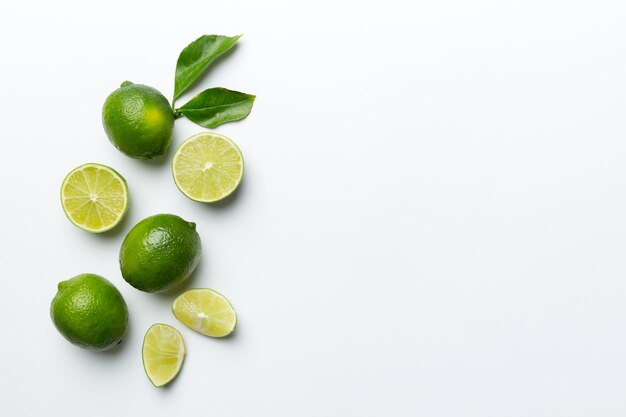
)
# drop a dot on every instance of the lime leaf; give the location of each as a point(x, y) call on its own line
point(197, 56)
point(216, 106)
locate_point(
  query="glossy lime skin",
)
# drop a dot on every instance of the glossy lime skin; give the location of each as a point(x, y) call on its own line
point(160, 252)
point(138, 120)
point(89, 312)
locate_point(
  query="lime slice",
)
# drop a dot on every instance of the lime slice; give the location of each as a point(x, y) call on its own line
point(207, 167)
point(205, 311)
point(94, 197)
point(163, 353)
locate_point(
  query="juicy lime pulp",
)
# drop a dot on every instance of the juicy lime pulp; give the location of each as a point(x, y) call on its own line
point(94, 197)
point(163, 353)
point(207, 167)
point(205, 311)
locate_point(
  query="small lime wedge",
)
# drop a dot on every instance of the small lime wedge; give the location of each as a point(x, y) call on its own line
point(207, 167)
point(163, 353)
point(94, 197)
point(205, 311)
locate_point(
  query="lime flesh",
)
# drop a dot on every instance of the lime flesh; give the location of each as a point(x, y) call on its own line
point(94, 197)
point(207, 167)
point(163, 353)
point(205, 311)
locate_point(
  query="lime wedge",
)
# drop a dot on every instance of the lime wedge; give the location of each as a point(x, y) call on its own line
point(94, 197)
point(207, 167)
point(205, 311)
point(163, 353)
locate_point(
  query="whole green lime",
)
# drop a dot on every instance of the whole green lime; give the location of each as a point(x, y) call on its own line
point(138, 120)
point(159, 252)
point(89, 312)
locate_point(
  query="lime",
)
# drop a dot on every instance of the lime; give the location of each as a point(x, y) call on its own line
point(138, 120)
point(159, 252)
point(89, 312)
point(163, 353)
point(205, 311)
point(207, 167)
point(94, 197)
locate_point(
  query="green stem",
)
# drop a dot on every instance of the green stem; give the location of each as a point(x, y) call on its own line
point(177, 114)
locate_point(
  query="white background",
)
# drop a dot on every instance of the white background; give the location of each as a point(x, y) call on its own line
point(432, 221)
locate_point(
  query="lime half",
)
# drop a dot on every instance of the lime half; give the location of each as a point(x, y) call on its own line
point(94, 197)
point(205, 311)
point(163, 353)
point(207, 167)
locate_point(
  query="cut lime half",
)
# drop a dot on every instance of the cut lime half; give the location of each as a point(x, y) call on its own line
point(207, 167)
point(205, 311)
point(94, 197)
point(163, 353)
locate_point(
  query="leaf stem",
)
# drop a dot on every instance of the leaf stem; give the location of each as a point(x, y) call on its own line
point(177, 114)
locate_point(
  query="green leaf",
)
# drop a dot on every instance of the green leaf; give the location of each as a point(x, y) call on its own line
point(197, 56)
point(216, 106)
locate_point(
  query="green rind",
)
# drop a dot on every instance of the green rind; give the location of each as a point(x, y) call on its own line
point(98, 324)
point(243, 169)
point(160, 252)
point(143, 362)
point(217, 292)
point(125, 118)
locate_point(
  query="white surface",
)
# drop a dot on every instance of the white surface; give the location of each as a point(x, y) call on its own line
point(432, 222)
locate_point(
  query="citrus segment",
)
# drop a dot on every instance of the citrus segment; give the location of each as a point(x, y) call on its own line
point(205, 311)
point(207, 167)
point(94, 197)
point(163, 353)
